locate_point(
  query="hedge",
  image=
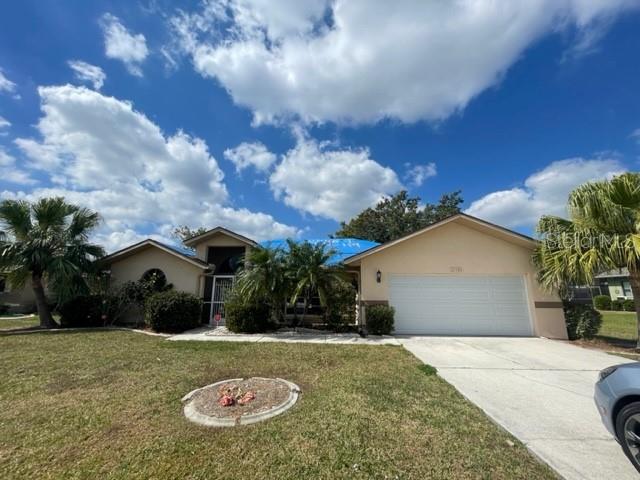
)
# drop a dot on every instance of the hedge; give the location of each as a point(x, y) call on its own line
point(602, 302)
point(172, 311)
point(629, 305)
point(583, 321)
point(380, 319)
point(247, 317)
point(82, 311)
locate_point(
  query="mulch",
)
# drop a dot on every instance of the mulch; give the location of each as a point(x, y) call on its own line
point(269, 393)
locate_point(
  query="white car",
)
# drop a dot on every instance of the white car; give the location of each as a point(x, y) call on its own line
point(617, 396)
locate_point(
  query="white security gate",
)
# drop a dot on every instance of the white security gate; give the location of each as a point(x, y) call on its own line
point(460, 305)
point(222, 285)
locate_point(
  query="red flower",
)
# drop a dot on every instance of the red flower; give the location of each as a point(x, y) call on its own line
point(226, 400)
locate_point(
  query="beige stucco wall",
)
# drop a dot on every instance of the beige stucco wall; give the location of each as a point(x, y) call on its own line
point(183, 275)
point(457, 249)
point(219, 240)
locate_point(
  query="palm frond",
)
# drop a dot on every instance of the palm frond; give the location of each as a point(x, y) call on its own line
point(49, 239)
point(52, 213)
point(15, 216)
point(601, 234)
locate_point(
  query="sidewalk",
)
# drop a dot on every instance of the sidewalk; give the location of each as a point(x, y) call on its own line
point(221, 334)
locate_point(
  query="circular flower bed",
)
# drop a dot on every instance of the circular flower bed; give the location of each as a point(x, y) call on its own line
point(239, 401)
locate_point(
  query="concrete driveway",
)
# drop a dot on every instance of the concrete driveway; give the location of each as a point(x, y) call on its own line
point(540, 390)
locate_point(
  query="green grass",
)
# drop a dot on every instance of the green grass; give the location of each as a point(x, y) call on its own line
point(107, 405)
point(8, 323)
point(619, 326)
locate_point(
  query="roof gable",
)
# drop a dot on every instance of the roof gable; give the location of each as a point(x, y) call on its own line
point(135, 248)
point(468, 220)
point(218, 231)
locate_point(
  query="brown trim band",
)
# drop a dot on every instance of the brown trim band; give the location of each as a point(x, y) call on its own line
point(374, 302)
point(548, 304)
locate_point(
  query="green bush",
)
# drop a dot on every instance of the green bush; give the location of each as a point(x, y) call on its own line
point(629, 305)
point(341, 305)
point(602, 302)
point(241, 317)
point(4, 308)
point(583, 321)
point(82, 311)
point(380, 319)
point(172, 311)
point(617, 305)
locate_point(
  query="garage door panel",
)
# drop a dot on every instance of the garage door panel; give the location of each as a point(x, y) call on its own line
point(448, 305)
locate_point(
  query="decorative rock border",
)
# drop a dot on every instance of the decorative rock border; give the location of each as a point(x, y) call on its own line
point(210, 421)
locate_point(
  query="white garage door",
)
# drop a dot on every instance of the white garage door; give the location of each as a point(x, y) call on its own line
point(446, 305)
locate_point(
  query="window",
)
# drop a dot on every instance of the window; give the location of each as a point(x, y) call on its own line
point(227, 260)
point(156, 277)
point(626, 289)
point(3, 285)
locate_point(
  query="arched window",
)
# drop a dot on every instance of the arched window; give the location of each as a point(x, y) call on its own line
point(155, 277)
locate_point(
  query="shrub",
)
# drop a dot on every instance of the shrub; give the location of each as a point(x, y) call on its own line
point(242, 317)
point(380, 319)
point(4, 308)
point(82, 311)
point(616, 305)
point(172, 311)
point(629, 305)
point(583, 321)
point(341, 305)
point(602, 302)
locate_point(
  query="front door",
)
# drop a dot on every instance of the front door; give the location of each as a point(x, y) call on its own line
point(222, 285)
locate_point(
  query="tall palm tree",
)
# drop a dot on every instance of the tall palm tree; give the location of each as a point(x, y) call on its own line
point(264, 278)
point(310, 272)
point(48, 243)
point(603, 233)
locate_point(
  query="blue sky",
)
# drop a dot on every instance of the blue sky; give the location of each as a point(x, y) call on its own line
point(281, 118)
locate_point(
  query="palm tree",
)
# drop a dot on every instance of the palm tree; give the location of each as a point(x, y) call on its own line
point(603, 233)
point(310, 272)
point(264, 278)
point(47, 242)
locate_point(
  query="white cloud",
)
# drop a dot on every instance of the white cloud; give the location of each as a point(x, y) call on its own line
point(544, 193)
point(418, 174)
point(4, 125)
point(358, 61)
point(636, 135)
point(86, 72)
point(250, 154)
point(122, 45)
point(101, 153)
point(6, 85)
point(10, 173)
point(335, 184)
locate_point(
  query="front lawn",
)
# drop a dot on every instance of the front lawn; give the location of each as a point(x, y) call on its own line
point(618, 334)
point(619, 326)
point(107, 405)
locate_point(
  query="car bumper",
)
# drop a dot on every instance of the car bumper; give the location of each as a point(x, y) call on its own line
point(605, 401)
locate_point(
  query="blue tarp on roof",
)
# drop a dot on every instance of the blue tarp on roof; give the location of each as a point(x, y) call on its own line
point(345, 247)
point(180, 249)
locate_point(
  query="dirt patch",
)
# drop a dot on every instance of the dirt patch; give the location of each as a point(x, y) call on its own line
point(269, 393)
point(625, 348)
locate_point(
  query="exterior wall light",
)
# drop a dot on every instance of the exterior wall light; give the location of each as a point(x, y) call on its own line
point(378, 276)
